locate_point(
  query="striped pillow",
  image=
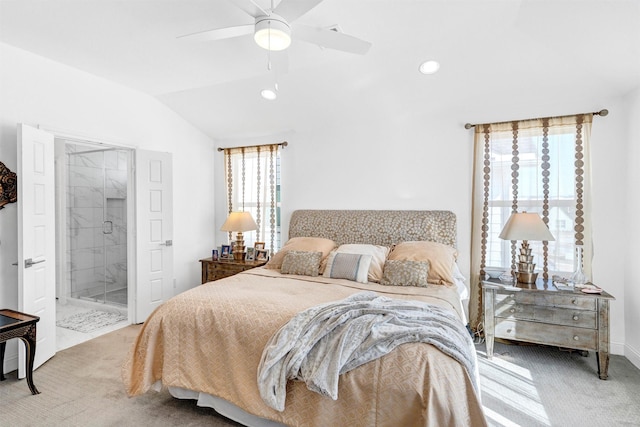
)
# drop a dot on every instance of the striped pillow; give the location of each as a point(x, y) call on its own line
point(348, 266)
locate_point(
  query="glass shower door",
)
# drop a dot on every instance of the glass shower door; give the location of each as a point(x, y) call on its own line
point(97, 243)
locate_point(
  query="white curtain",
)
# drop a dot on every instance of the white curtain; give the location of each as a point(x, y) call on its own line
point(539, 165)
point(253, 185)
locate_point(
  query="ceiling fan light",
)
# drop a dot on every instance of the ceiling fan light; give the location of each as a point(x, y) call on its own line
point(272, 32)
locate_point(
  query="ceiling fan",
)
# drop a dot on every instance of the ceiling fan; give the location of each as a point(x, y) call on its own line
point(272, 28)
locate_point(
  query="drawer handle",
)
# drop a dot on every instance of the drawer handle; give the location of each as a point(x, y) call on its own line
point(574, 301)
point(513, 310)
point(576, 338)
point(575, 317)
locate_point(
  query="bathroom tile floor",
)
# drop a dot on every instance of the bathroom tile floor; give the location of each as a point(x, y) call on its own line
point(66, 338)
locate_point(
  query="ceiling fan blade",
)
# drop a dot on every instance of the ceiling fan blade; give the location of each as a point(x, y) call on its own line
point(249, 6)
point(331, 39)
point(293, 9)
point(220, 33)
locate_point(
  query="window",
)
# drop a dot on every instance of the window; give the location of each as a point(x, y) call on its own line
point(253, 185)
point(559, 194)
point(540, 166)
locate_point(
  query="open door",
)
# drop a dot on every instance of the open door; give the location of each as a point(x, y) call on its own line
point(36, 239)
point(154, 231)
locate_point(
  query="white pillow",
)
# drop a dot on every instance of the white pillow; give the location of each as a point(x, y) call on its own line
point(378, 257)
point(348, 266)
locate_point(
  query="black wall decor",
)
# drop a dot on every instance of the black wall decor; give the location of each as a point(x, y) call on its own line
point(8, 189)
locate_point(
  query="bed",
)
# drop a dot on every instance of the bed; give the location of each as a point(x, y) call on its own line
point(207, 343)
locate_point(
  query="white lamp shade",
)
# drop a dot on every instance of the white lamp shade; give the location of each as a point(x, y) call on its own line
point(272, 32)
point(526, 226)
point(239, 221)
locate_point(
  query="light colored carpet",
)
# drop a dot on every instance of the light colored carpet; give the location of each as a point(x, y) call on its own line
point(521, 386)
point(90, 321)
point(529, 385)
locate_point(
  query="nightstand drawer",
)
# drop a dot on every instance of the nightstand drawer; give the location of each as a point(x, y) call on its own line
point(549, 300)
point(562, 336)
point(219, 269)
point(558, 316)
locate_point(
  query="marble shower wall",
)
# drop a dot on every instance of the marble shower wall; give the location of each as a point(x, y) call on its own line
point(96, 192)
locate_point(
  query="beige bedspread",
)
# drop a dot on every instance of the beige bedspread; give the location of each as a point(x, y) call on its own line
point(210, 339)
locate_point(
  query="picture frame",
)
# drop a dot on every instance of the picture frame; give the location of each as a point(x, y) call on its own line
point(225, 252)
point(214, 254)
point(251, 254)
point(259, 246)
point(262, 254)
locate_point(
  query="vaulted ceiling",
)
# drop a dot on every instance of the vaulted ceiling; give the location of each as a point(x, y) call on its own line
point(491, 53)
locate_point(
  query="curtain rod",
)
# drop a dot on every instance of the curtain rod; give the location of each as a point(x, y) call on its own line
point(283, 144)
point(597, 113)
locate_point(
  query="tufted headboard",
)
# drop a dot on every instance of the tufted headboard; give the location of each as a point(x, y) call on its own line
point(378, 227)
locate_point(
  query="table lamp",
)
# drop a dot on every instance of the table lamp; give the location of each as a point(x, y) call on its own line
point(239, 222)
point(526, 226)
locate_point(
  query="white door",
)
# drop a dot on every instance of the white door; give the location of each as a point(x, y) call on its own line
point(154, 231)
point(36, 239)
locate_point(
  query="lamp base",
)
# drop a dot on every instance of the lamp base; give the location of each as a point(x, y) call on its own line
point(524, 277)
point(238, 248)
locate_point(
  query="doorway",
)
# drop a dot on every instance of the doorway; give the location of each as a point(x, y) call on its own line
point(93, 198)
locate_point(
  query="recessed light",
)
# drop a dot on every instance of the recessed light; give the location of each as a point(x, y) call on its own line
point(268, 94)
point(429, 67)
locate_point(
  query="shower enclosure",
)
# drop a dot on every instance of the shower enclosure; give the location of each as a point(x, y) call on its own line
point(96, 211)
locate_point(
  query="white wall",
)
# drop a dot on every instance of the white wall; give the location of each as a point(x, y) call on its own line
point(610, 185)
point(37, 91)
point(628, 249)
point(422, 161)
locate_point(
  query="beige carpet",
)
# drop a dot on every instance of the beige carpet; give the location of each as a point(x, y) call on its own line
point(81, 386)
point(521, 386)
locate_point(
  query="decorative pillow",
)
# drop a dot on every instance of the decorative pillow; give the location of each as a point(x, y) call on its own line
point(441, 258)
point(405, 273)
point(301, 262)
point(378, 256)
point(348, 266)
point(307, 244)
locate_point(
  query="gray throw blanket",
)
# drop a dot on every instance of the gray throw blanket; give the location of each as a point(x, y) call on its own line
point(322, 342)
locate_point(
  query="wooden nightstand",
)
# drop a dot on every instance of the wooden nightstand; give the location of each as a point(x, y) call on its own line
point(214, 270)
point(543, 314)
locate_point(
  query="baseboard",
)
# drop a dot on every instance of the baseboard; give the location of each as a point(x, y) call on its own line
point(633, 355)
point(10, 363)
point(617, 348)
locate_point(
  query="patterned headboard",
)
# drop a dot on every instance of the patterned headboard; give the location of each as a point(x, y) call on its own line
point(378, 227)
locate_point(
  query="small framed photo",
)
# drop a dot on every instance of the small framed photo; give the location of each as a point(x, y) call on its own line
point(225, 252)
point(251, 254)
point(259, 246)
point(262, 255)
point(214, 254)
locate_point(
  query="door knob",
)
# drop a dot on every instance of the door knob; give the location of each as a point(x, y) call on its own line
point(29, 262)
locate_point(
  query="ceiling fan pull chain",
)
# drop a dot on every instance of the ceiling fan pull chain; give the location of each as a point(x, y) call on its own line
point(269, 50)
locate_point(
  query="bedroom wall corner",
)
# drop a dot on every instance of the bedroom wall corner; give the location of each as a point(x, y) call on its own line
point(630, 248)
